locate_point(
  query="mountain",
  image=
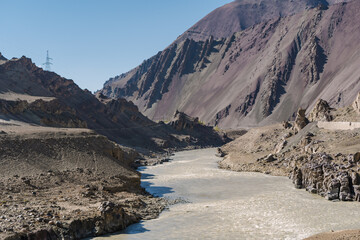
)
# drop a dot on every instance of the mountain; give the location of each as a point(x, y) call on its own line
point(241, 14)
point(2, 58)
point(30, 94)
point(258, 76)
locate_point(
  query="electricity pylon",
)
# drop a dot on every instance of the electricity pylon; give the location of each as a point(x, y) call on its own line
point(47, 64)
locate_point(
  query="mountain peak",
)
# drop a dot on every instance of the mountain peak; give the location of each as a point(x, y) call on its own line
point(2, 58)
point(257, 76)
point(241, 14)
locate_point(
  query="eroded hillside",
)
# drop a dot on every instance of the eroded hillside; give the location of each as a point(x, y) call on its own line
point(30, 94)
point(255, 77)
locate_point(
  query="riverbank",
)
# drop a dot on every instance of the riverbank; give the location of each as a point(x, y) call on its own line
point(65, 183)
point(72, 205)
point(321, 157)
point(339, 235)
point(322, 161)
point(221, 204)
point(319, 153)
point(72, 183)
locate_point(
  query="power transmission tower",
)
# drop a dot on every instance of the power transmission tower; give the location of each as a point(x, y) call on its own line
point(47, 64)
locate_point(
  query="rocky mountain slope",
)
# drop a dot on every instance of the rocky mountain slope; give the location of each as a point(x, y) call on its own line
point(29, 94)
point(241, 14)
point(258, 76)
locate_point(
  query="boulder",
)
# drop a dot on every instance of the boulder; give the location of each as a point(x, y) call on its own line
point(333, 190)
point(220, 153)
point(305, 141)
point(286, 124)
point(297, 178)
point(280, 146)
point(270, 158)
point(345, 194)
point(357, 192)
point(356, 157)
point(300, 121)
point(113, 217)
point(355, 178)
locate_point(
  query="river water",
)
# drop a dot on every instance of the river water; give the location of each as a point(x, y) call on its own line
point(230, 205)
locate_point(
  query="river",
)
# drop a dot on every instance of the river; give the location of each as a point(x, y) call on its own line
point(223, 204)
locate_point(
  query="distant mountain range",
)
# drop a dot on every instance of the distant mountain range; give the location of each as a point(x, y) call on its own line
point(284, 55)
point(30, 94)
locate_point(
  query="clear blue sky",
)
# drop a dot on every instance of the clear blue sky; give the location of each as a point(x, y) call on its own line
point(93, 40)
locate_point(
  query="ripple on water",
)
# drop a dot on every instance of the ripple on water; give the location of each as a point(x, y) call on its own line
point(230, 205)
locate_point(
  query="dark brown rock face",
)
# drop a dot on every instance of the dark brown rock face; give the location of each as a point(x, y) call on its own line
point(260, 75)
point(320, 175)
point(52, 113)
point(2, 58)
point(182, 121)
point(297, 178)
point(357, 157)
point(196, 130)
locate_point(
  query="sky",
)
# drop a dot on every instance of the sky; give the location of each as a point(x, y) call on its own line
point(93, 40)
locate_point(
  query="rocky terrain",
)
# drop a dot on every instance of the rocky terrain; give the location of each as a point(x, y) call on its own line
point(324, 161)
point(29, 94)
point(67, 183)
point(256, 77)
point(348, 235)
point(68, 157)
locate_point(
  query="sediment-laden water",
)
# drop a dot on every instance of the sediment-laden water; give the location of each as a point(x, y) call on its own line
point(231, 205)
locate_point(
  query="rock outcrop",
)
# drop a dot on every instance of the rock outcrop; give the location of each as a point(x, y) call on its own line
point(321, 112)
point(181, 121)
point(267, 71)
point(332, 176)
point(52, 113)
point(321, 160)
point(300, 121)
point(2, 59)
point(356, 104)
point(321, 175)
point(196, 131)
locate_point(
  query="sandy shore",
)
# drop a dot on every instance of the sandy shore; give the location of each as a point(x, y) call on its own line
point(339, 235)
